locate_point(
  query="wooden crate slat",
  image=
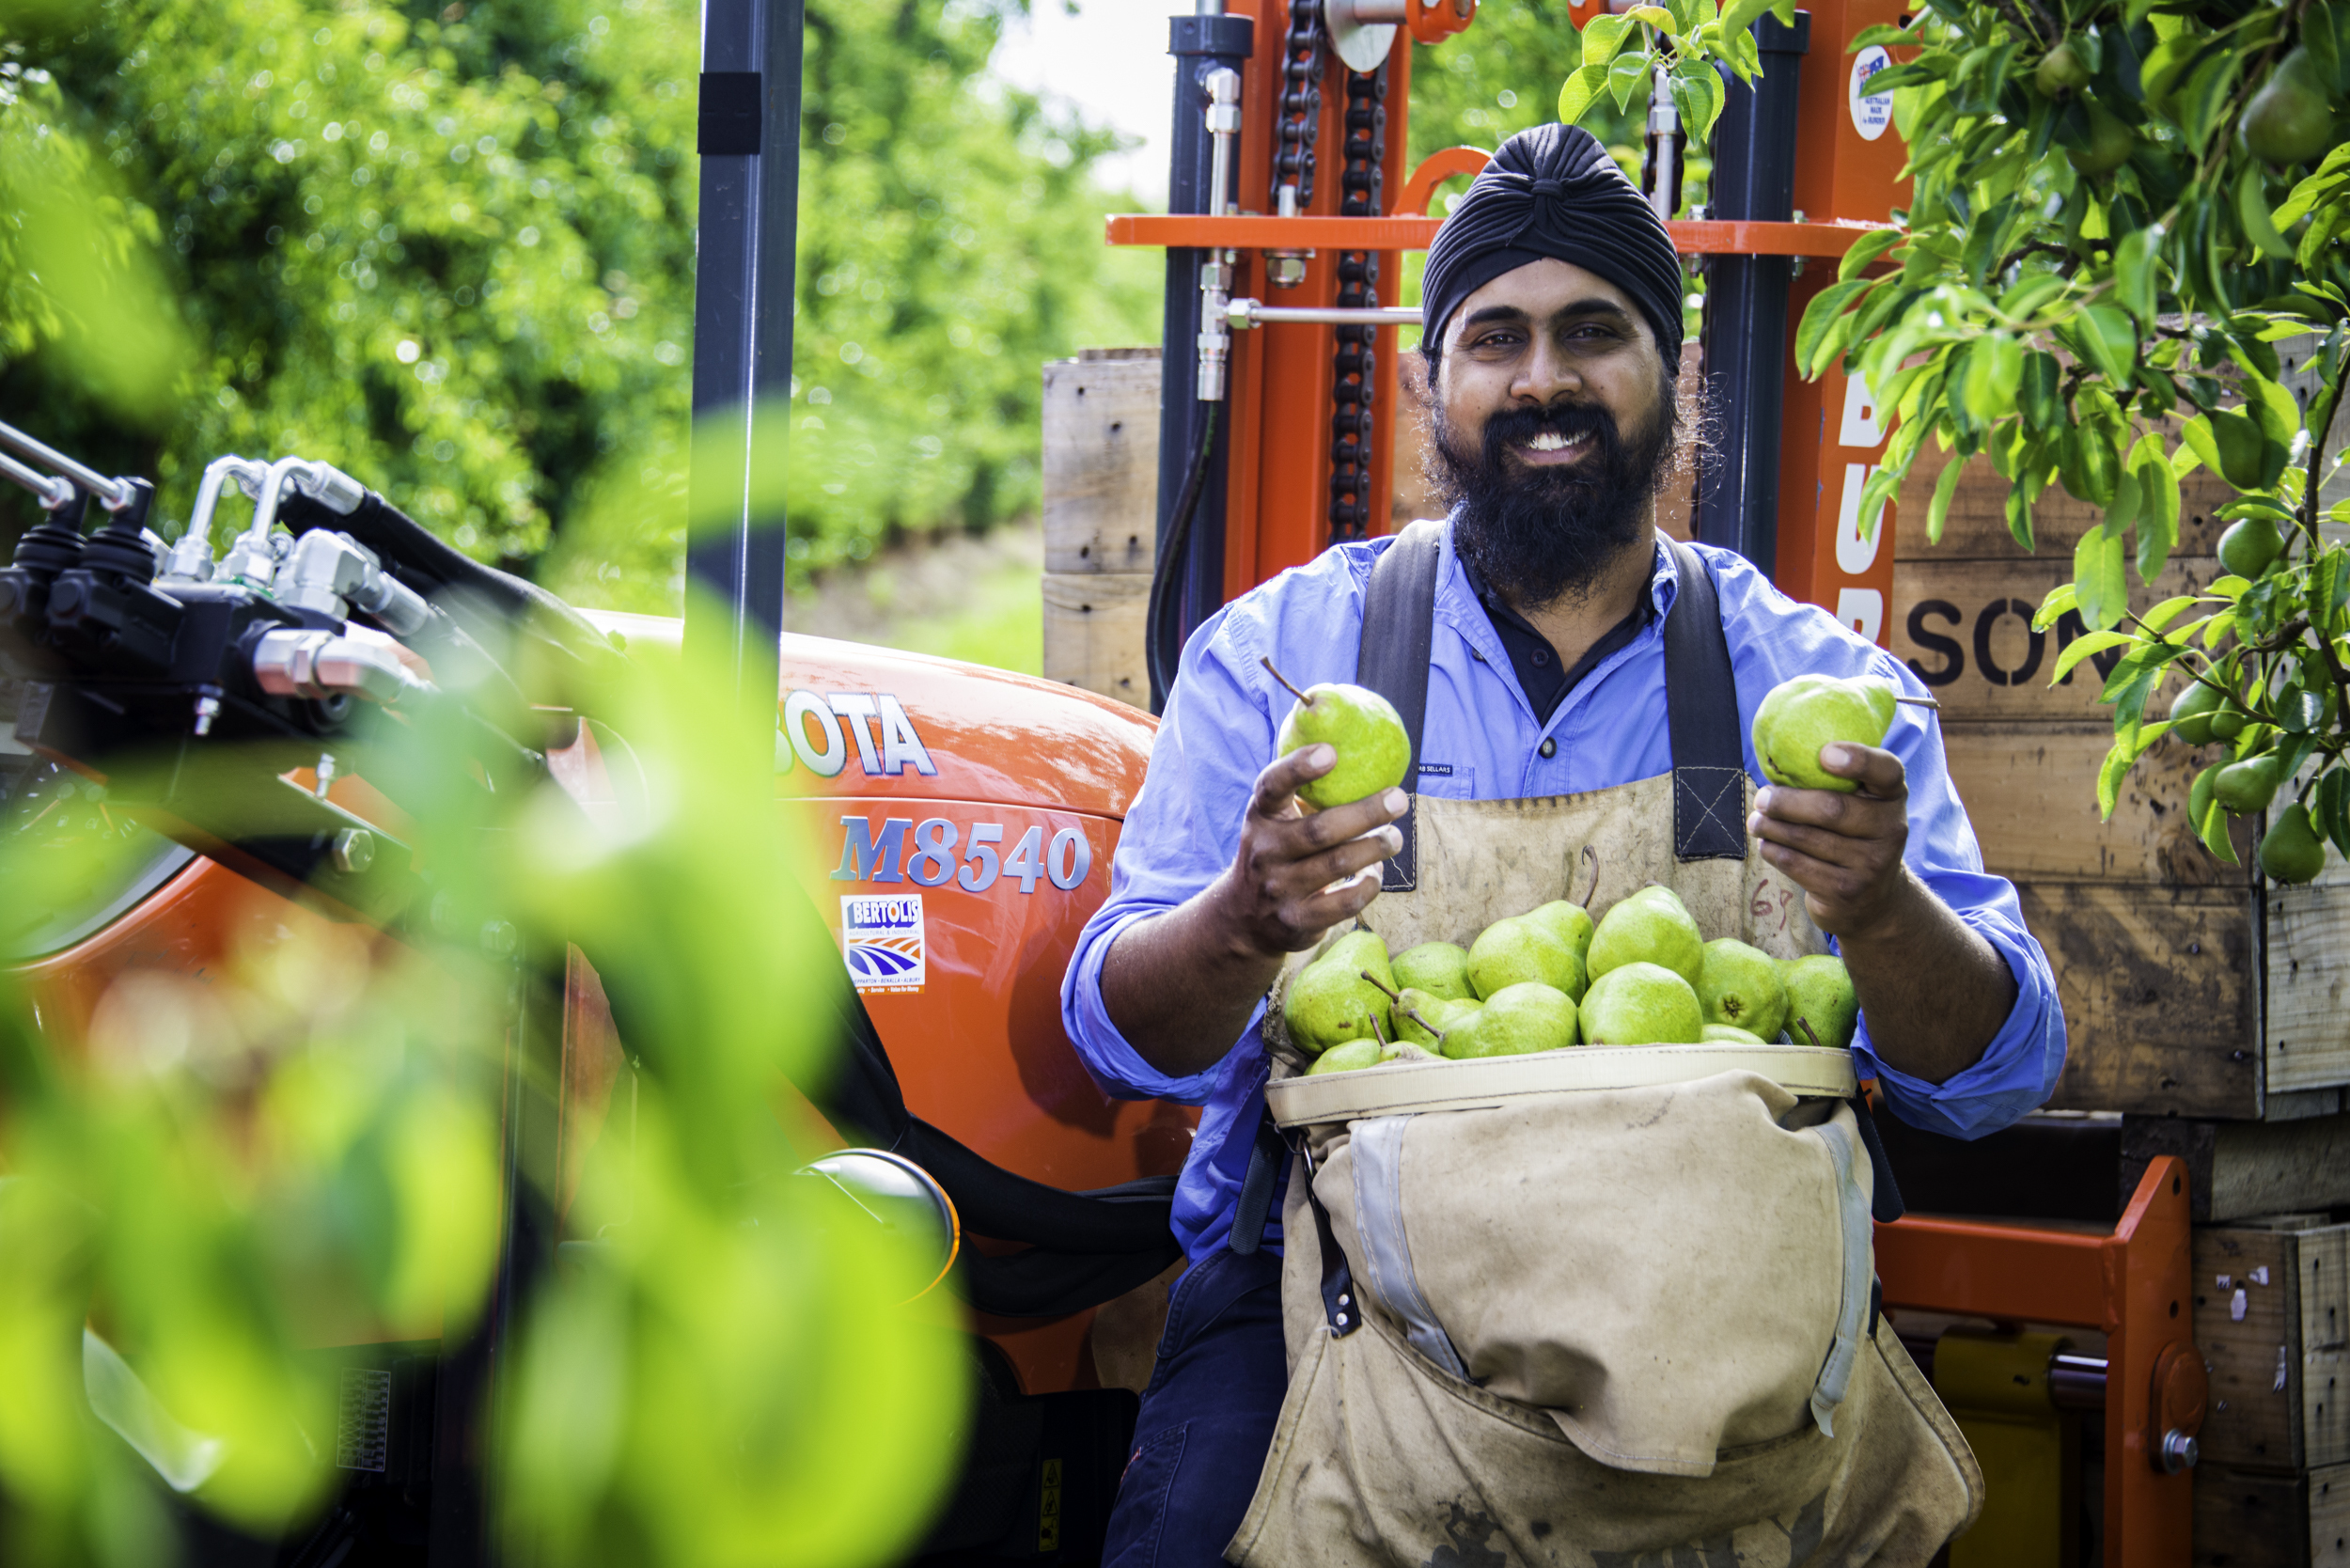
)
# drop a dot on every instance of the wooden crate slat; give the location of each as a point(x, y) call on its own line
point(1964, 627)
point(1093, 632)
point(2309, 986)
point(2255, 1358)
point(1101, 461)
point(2030, 791)
point(2158, 996)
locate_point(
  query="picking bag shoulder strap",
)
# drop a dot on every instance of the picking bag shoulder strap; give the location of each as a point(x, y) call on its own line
point(1398, 640)
point(1701, 707)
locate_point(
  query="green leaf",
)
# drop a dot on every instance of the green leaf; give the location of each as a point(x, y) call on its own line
point(2060, 600)
point(2209, 818)
point(2157, 510)
point(2202, 441)
point(2100, 571)
point(1697, 97)
point(1864, 250)
point(1602, 37)
point(2133, 272)
point(2109, 777)
point(2251, 205)
point(1628, 74)
point(2083, 647)
point(1743, 14)
point(2111, 339)
point(2162, 615)
point(1655, 16)
point(2329, 804)
point(1580, 91)
point(1994, 369)
point(1939, 511)
point(1818, 315)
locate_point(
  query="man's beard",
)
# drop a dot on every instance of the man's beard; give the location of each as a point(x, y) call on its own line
point(1537, 535)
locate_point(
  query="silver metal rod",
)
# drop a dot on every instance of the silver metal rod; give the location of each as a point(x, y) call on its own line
point(113, 493)
point(54, 491)
point(1246, 314)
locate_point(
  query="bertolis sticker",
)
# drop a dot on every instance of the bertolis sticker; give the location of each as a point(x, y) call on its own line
point(882, 939)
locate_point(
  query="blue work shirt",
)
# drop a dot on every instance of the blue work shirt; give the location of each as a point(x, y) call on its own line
point(1482, 741)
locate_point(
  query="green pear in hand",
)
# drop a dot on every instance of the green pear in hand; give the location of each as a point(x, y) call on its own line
point(1652, 926)
point(1641, 1004)
point(1439, 969)
point(1740, 985)
point(1516, 1019)
point(1821, 1007)
point(1516, 948)
point(1364, 729)
point(1803, 715)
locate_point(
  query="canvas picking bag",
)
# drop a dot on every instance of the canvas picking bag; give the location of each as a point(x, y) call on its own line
point(1600, 1306)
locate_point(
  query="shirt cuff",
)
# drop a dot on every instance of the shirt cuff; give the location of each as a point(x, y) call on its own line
point(2019, 1068)
point(1116, 1066)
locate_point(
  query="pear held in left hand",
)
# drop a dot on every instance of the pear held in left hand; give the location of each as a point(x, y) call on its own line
point(1811, 712)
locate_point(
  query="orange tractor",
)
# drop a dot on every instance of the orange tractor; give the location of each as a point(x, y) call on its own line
point(969, 817)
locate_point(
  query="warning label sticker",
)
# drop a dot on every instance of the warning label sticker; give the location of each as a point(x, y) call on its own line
point(881, 938)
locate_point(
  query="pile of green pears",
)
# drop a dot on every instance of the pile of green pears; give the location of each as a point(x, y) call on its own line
point(1644, 974)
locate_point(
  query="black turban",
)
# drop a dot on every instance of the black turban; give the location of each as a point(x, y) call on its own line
point(1554, 191)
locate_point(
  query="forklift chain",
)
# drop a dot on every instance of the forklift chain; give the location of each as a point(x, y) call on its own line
point(1300, 120)
point(1352, 388)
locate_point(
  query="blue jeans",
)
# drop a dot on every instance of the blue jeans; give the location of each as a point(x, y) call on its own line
point(1207, 1417)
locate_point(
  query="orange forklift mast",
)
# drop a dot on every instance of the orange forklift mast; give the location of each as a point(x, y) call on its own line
point(1279, 412)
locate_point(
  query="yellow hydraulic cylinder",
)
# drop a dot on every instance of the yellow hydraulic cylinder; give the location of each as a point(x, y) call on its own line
point(1997, 1387)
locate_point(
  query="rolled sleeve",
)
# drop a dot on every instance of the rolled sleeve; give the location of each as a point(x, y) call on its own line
point(1215, 736)
point(2019, 1068)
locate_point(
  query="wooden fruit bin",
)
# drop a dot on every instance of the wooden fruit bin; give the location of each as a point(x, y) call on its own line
point(2190, 987)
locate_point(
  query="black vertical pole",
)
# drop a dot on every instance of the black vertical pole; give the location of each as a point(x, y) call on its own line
point(1200, 44)
point(1744, 337)
point(749, 141)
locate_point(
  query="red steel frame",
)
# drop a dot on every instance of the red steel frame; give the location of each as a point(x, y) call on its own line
point(2133, 1285)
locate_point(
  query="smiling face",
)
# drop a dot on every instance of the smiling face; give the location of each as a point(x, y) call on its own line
point(1553, 416)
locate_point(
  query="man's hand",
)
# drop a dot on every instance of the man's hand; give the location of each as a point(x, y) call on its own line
point(1933, 990)
point(1844, 851)
point(1296, 874)
point(1179, 986)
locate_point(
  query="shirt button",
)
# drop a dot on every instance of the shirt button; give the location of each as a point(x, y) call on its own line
point(1549, 746)
point(1541, 657)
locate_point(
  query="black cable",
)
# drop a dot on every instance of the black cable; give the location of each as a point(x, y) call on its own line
point(1170, 571)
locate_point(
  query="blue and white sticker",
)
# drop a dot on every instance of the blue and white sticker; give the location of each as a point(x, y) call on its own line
point(882, 939)
point(1871, 113)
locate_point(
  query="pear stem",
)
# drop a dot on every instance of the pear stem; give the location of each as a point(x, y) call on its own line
point(1376, 1032)
point(1285, 680)
point(1805, 1025)
point(1397, 996)
point(1918, 701)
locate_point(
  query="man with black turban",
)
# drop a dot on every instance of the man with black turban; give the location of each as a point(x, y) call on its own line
point(1553, 310)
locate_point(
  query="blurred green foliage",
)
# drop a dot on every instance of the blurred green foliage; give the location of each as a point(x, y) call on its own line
point(451, 250)
point(299, 1144)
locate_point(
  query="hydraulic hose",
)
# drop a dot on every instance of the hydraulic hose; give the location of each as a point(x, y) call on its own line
point(1165, 578)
